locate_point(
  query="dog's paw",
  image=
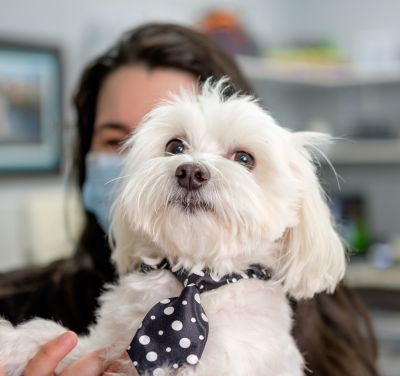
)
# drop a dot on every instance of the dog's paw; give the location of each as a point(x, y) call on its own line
point(20, 344)
point(12, 358)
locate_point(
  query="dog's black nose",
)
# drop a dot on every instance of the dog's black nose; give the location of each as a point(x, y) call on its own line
point(192, 176)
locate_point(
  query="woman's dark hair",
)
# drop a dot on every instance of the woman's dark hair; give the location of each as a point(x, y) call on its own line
point(333, 332)
point(154, 46)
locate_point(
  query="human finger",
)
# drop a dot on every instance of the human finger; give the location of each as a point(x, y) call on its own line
point(120, 365)
point(92, 364)
point(46, 360)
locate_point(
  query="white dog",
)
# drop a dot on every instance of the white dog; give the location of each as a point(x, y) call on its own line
point(211, 183)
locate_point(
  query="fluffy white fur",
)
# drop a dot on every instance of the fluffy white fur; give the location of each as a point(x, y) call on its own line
point(274, 214)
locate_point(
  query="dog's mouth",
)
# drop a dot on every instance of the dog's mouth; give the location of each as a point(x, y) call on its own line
point(191, 204)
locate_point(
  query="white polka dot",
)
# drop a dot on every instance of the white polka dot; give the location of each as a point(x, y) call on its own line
point(169, 310)
point(160, 332)
point(192, 359)
point(175, 366)
point(135, 363)
point(190, 285)
point(204, 317)
point(201, 337)
point(184, 302)
point(168, 349)
point(185, 282)
point(197, 298)
point(214, 277)
point(177, 325)
point(193, 319)
point(158, 372)
point(234, 280)
point(144, 340)
point(151, 356)
point(129, 347)
point(201, 287)
point(165, 301)
point(153, 317)
point(184, 343)
point(199, 272)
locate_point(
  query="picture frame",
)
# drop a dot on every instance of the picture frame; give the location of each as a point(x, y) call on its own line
point(30, 107)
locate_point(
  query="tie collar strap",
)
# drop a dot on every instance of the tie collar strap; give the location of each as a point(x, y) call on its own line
point(207, 281)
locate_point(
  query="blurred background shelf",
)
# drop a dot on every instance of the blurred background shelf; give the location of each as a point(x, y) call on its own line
point(364, 275)
point(335, 77)
point(364, 152)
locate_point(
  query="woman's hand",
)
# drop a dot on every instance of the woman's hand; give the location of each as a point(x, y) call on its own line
point(50, 355)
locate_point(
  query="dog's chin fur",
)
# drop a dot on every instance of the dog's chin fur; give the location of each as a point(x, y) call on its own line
point(273, 214)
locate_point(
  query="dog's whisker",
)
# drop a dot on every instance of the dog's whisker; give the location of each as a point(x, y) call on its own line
point(325, 157)
point(118, 178)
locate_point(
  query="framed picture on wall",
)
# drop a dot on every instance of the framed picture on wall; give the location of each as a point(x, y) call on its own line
point(30, 108)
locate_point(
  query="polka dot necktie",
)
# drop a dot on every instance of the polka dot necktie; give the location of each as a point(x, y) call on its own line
point(174, 332)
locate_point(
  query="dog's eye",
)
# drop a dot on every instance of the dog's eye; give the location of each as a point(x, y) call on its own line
point(175, 146)
point(244, 159)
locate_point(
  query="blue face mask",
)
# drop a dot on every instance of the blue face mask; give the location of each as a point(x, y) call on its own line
point(101, 185)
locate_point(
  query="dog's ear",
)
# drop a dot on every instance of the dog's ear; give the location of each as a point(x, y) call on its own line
point(313, 258)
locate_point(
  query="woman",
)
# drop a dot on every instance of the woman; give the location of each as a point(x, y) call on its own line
point(116, 91)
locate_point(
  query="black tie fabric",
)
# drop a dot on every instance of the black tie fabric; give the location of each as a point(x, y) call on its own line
point(174, 332)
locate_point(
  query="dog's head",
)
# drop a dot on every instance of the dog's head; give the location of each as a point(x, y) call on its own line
point(215, 182)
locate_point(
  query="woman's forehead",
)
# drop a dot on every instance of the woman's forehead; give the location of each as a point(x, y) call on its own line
point(130, 92)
